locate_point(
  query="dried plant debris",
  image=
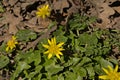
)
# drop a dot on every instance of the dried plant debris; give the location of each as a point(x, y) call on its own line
point(23, 15)
point(107, 11)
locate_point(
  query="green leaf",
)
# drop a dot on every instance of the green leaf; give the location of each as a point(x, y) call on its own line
point(115, 61)
point(29, 57)
point(80, 71)
point(37, 58)
point(38, 77)
point(26, 35)
point(91, 72)
point(53, 69)
point(98, 69)
point(34, 73)
point(59, 32)
point(84, 61)
point(21, 66)
point(3, 47)
point(86, 39)
point(79, 78)
point(61, 77)
point(103, 62)
point(75, 61)
point(4, 60)
point(72, 76)
point(61, 39)
point(89, 51)
point(54, 77)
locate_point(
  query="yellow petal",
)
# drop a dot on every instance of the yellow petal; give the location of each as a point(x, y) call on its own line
point(104, 77)
point(43, 16)
point(13, 38)
point(48, 14)
point(116, 68)
point(46, 52)
point(49, 42)
point(49, 55)
point(110, 68)
point(45, 46)
point(7, 49)
point(11, 47)
point(57, 55)
point(60, 53)
point(105, 70)
point(16, 42)
point(61, 49)
point(60, 44)
point(47, 6)
point(54, 40)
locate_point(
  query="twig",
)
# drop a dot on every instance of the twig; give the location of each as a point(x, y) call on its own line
point(45, 35)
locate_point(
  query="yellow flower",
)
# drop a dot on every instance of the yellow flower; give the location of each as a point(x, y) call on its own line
point(111, 74)
point(43, 11)
point(11, 43)
point(53, 48)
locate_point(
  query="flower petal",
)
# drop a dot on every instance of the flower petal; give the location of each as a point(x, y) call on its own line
point(7, 49)
point(104, 77)
point(45, 46)
point(57, 55)
point(54, 40)
point(49, 55)
point(60, 53)
point(16, 42)
point(105, 70)
point(110, 68)
point(47, 6)
point(46, 52)
point(61, 49)
point(13, 38)
point(60, 44)
point(49, 42)
point(116, 68)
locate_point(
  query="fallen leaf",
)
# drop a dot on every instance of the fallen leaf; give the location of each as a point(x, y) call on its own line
point(117, 9)
point(13, 21)
point(59, 5)
point(104, 15)
point(12, 2)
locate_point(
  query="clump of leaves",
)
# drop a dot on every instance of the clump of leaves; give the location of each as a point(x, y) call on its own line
point(87, 50)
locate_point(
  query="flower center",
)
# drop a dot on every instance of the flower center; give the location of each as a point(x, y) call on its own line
point(114, 76)
point(53, 49)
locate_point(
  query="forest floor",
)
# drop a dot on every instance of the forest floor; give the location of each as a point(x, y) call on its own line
point(16, 15)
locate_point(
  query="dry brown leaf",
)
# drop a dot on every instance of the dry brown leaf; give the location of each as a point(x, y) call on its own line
point(13, 21)
point(43, 23)
point(108, 11)
point(59, 5)
point(117, 23)
point(12, 2)
point(110, 1)
point(16, 11)
point(117, 9)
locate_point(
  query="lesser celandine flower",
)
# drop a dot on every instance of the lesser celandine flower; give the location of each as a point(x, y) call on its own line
point(11, 44)
point(43, 11)
point(53, 48)
point(111, 74)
